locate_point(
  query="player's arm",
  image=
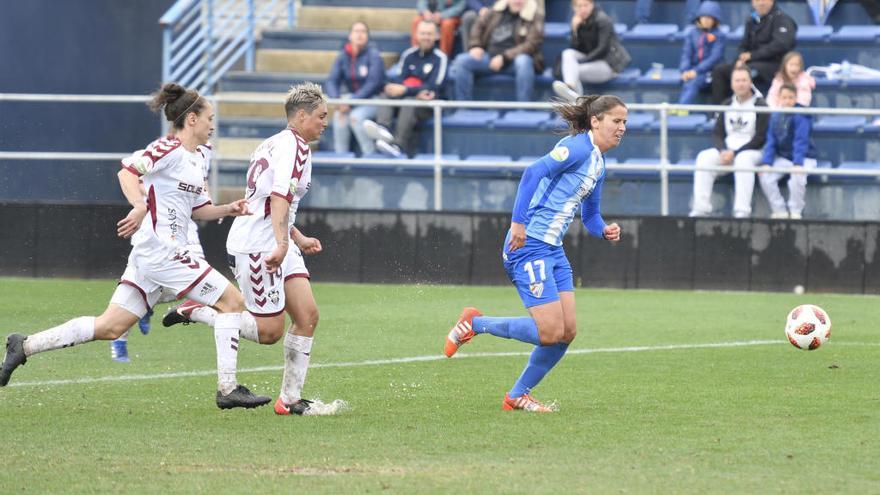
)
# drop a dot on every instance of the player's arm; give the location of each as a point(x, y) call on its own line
point(279, 209)
point(306, 244)
point(209, 211)
point(591, 216)
point(130, 185)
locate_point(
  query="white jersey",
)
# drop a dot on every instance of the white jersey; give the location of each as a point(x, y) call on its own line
point(280, 166)
point(740, 126)
point(174, 179)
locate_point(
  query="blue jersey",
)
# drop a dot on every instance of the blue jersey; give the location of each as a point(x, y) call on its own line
point(553, 187)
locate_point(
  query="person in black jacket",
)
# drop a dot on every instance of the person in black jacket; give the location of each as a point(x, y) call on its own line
point(769, 35)
point(419, 74)
point(596, 55)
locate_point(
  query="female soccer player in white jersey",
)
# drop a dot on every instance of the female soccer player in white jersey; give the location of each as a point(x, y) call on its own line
point(549, 193)
point(172, 171)
point(270, 271)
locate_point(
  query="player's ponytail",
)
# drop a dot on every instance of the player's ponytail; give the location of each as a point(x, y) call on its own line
point(578, 113)
point(176, 102)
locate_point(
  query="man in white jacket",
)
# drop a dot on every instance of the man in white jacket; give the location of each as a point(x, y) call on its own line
point(739, 138)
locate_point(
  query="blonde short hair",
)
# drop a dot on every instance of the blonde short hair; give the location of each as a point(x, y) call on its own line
point(307, 96)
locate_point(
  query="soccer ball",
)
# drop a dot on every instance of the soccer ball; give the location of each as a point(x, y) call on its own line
point(807, 327)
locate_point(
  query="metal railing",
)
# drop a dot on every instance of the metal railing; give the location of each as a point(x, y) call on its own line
point(203, 39)
point(437, 163)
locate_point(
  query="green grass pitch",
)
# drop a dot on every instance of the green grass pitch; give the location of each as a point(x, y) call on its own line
point(646, 404)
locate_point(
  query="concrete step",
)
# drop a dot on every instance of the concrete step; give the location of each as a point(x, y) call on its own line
point(311, 39)
point(341, 18)
point(265, 110)
point(308, 61)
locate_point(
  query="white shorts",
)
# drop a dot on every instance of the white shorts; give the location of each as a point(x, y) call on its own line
point(148, 272)
point(264, 292)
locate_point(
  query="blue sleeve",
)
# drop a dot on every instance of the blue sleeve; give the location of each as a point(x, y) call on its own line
point(397, 75)
point(546, 166)
point(770, 145)
point(714, 56)
point(686, 51)
point(591, 214)
point(375, 77)
point(331, 86)
point(802, 126)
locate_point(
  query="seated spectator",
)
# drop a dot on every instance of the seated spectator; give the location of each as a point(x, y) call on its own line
point(791, 71)
point(644, 7)
point(476, 9)
point(739, 137)
point(444, 13)
point(419, 74)
point(596, 55)
point(769, 34)
point(358, 72)
point(789, 143)
point(508, 40)
point(703, 50)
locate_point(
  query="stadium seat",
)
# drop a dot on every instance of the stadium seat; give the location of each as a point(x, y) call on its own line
point(664, 77)
point(484, 165)
point(736, 35)
point(640, 120)
point(470, 118)
point(652, 32)
point(523, 119)
point(637, 174)
point(839, 123)
point(628, 76)
point(557, 30)
point(691, 123)
point(814, 33)
point(857, 34)
point(857, 166)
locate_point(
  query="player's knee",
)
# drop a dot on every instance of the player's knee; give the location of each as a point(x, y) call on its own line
point(270, 336)
point(551, 334)
point(570, 334)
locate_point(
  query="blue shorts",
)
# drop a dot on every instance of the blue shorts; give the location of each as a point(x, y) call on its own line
point(540, 271)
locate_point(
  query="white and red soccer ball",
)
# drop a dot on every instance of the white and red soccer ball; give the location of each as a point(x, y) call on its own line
point(807, 327)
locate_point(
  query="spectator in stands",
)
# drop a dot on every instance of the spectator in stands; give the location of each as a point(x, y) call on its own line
point(789, 143)
point(703, 50)
point(596, 55)
point(507, 40)
point(644, 7)
point(769, 34)
point(476, 9)
point(791, 71)
point(419, 74)
point(358, 72)
point(739, 137)
point(444, 13)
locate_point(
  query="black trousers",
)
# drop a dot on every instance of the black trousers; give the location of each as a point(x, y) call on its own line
point(407, 119)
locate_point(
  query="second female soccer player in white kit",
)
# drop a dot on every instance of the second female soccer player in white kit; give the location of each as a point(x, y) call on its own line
point(550, 191)
point(172, 171)
point(270, 271)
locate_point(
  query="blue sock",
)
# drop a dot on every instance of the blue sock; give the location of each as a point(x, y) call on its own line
point(522, 329)
point(542, 360)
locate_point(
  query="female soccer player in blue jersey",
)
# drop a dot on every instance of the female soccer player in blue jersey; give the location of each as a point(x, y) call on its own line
point(548, 197)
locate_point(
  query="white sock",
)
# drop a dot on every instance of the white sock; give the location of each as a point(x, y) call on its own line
point(124, 336)
point(205, 314)
point(249, 327)
point(226, 330)
point(76, 331)
point(297, 351)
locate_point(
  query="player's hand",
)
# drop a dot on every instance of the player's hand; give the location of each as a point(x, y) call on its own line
point(688, 75)
point(612, 232)
point(517, 236)
point(238, 208)
point(275, 258)
point(309, 245)
point(497, 63)
point(395, 90)
point(477, 53)
point(744, 57)
point(425, 94)
point(126, 227)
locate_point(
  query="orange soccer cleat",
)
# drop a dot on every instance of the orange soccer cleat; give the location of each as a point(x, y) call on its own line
point(525, 403)
point(462, 332)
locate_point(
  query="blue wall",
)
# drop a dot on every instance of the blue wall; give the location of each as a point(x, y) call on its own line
point(79, 47)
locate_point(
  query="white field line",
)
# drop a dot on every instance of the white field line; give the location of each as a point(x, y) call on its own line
point(404, 360)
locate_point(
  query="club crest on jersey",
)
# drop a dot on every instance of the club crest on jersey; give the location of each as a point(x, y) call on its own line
point(274, 296)
point(537, 289)
point(559, 153)
point(427, 68)
point(363, 70)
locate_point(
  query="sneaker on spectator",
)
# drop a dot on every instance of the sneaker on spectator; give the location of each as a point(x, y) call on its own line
point(795, 215)
point(564, 92)
point(779, 215)
point(388, 148)
point(377, 132)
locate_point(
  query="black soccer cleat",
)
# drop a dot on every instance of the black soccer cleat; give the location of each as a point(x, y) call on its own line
point(299, 407)
point(241, 397)
point(14, 356)
point(180, 313)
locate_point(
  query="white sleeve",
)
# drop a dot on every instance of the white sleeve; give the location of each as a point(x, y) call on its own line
point(283, 169)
